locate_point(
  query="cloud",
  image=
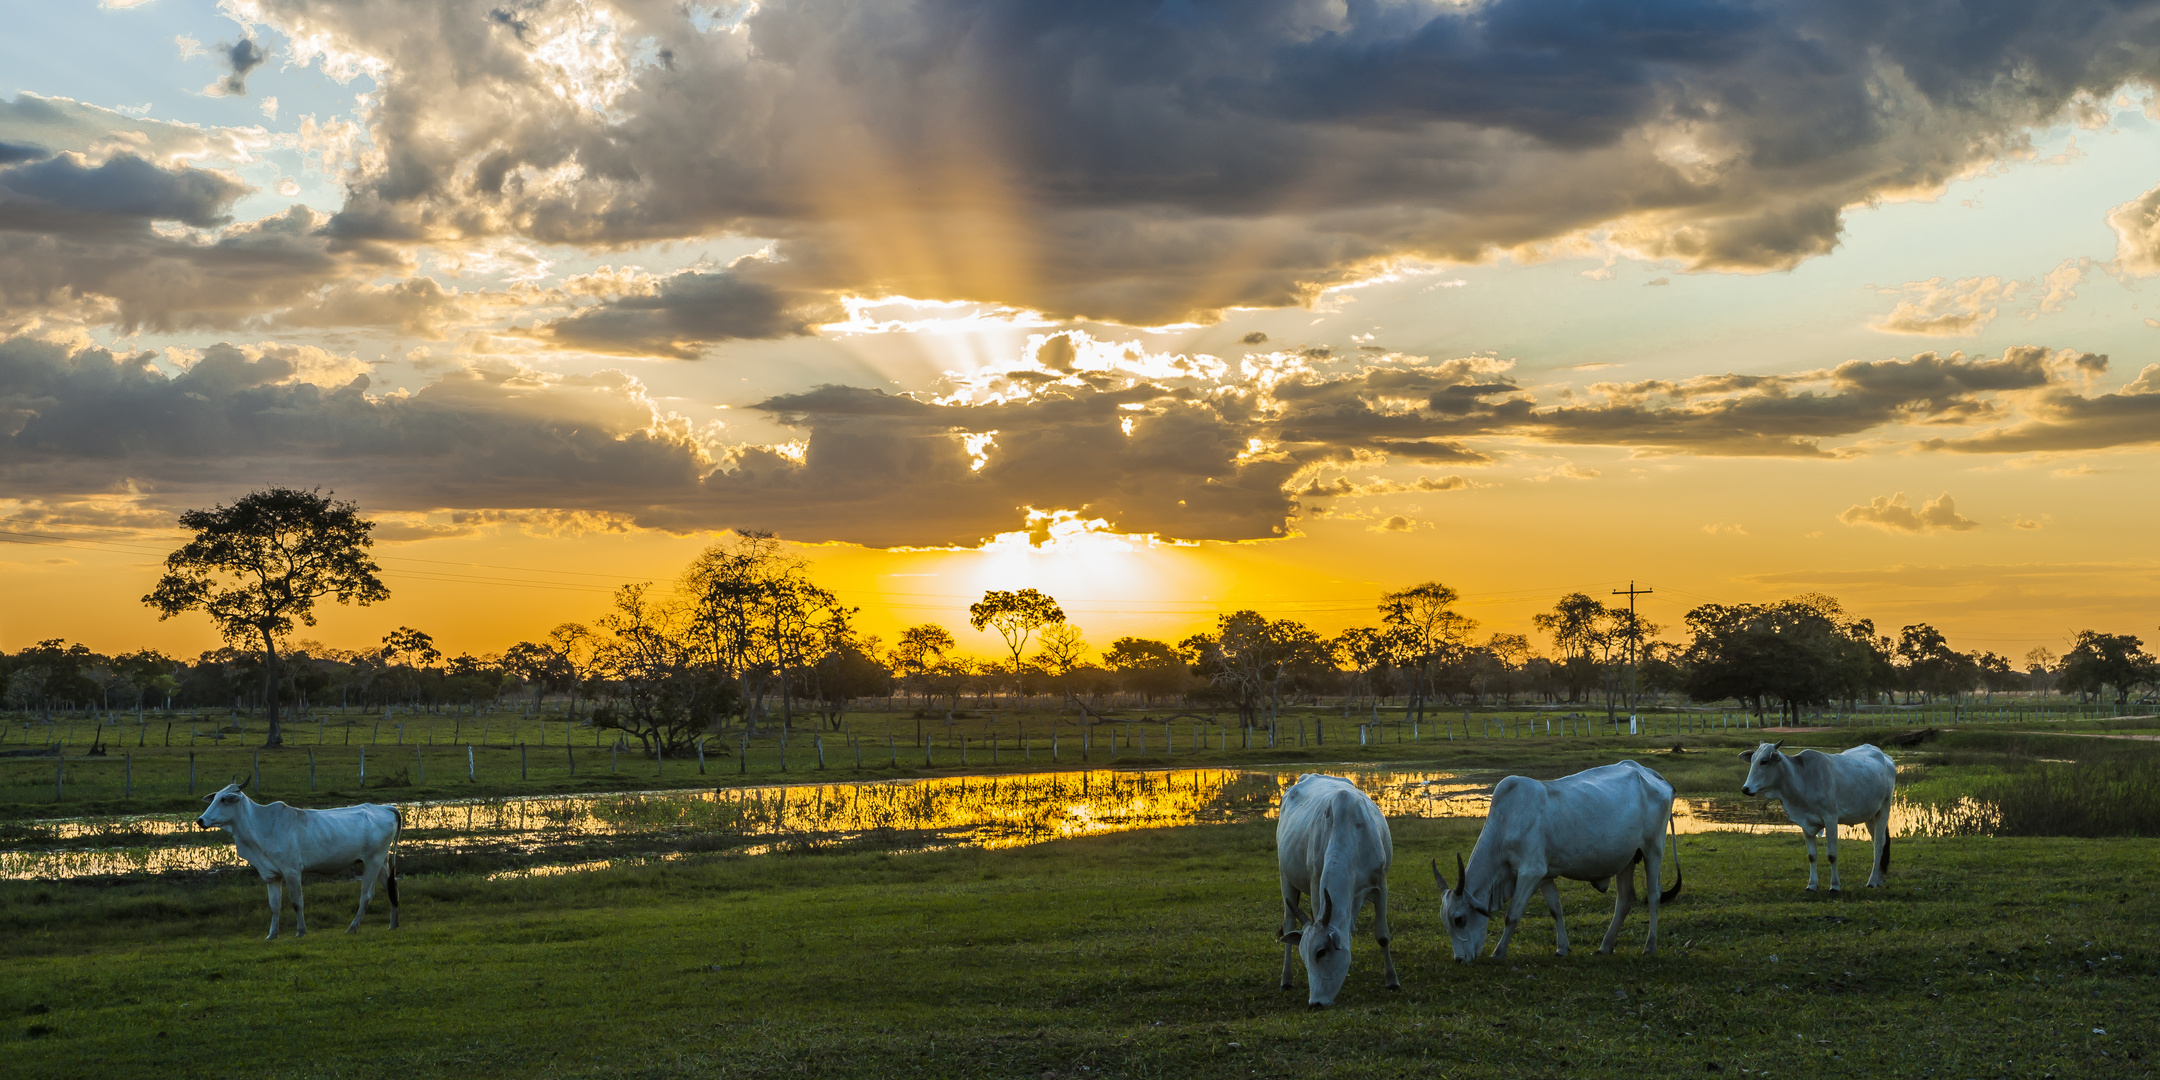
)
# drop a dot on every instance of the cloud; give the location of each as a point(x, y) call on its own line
point(1891, 513)
point(1398, 523)
point(1181, 447)
point(1722, 529)
point(1958, 309)
point(687, 312)
point(69, 195)
point(1344, 487)
point(242, 56)
point(1088, 160)
point(2020, 521)
point(2137, 235)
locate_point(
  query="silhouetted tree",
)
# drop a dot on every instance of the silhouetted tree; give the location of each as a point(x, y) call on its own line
point(258, 566)
point(2118, 661)
point(1015, 616)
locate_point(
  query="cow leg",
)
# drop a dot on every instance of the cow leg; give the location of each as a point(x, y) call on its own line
point(1830, 833)
point(1653, 873)
point(1525, 885)
point(1623, 900)
point(369, 871)
point(277, 904)
point(1292, 922)
point(299, 906)
point(1879, 858)
point(1382, 935)
point(1559, 925)
point(1807, 832)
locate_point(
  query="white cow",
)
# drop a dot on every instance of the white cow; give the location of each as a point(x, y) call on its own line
point(1594, 825)
point(1331, 844)
point(1823, 791)
point(282, 841)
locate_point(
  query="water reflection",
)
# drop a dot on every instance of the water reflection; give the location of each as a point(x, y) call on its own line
point(565, 834)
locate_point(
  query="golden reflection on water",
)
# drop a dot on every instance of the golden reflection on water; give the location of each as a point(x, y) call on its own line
point(593, 831)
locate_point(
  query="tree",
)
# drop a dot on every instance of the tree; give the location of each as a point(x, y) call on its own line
point(539, 666)
point(1423, 619)
point(919, 652)
point(2097, 660)
point(1578, 628)
point(1146, 667)
point(1799, 652)
point(2040, 668)
point(258, 566)
point(1015, 616)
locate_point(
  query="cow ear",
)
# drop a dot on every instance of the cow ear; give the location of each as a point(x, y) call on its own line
point(1747, 755)
point(1291, 938)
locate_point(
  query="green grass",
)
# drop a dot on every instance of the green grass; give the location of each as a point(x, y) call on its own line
point(1136, 955)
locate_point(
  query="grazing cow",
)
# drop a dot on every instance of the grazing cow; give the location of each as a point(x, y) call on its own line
point(1592, 826)
point(1823, 791)
point(282, 841)
point(1332, 844)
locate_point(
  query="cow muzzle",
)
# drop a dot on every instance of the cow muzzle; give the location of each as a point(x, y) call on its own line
point(1745, 790)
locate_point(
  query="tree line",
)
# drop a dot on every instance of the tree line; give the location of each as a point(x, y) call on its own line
point(746, 637)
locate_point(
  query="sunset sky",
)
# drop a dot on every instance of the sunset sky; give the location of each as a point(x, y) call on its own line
point(1165, 309)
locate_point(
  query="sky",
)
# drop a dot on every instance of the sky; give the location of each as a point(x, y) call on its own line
point(1166, 309)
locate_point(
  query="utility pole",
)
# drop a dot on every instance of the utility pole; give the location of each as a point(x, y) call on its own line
point(1634, 636)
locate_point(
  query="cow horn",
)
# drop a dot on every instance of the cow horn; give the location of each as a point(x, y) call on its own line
point(1437, 879)
point(1462, 876)
point(1778, 745)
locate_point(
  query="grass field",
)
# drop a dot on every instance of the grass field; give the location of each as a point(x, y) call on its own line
point(1136, 955)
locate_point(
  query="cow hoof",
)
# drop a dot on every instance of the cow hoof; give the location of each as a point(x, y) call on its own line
point(1286, 986)
point(1394, 986)
point(1310, 1005)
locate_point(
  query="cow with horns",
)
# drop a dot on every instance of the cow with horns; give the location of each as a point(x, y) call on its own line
point(1592, 826)
point(1332, 844)
point(281, 842)
point(1823, 791)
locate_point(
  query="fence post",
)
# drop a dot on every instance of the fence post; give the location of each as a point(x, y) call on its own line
point(926, 753)
point(191, 770)
point(783, 749)
point(820, 741)
point(311, 768)
point(615, 757)
point(472, 774)
point(963, 751)
point(419, 760)
point(701, 757)
point(892, 746)
point(258, 772)
point(857, 740)
point(1053, 746)
point(572, 752)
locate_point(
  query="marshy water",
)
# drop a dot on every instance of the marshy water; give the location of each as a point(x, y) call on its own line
point(567, 833)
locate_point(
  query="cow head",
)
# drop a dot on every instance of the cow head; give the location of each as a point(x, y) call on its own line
point(1765, 764)
point(1325, 949)
point(224, 808)
point(1465, 919)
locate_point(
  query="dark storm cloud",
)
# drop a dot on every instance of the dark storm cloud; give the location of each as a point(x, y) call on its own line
point(689, 311)
point(1144, 163)
point(66, 194)
point(244, 56)
point(12, 153)
point(1189, 457)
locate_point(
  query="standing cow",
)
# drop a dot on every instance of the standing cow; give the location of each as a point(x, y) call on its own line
point(1594, 825)
point(1331, 844)
point(1823, 791)
point(281, 842)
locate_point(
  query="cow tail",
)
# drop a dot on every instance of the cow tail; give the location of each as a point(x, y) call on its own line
point(1886, 850)
point(1672, 836)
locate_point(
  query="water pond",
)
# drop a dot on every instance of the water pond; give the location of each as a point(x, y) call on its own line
point(565, 833)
